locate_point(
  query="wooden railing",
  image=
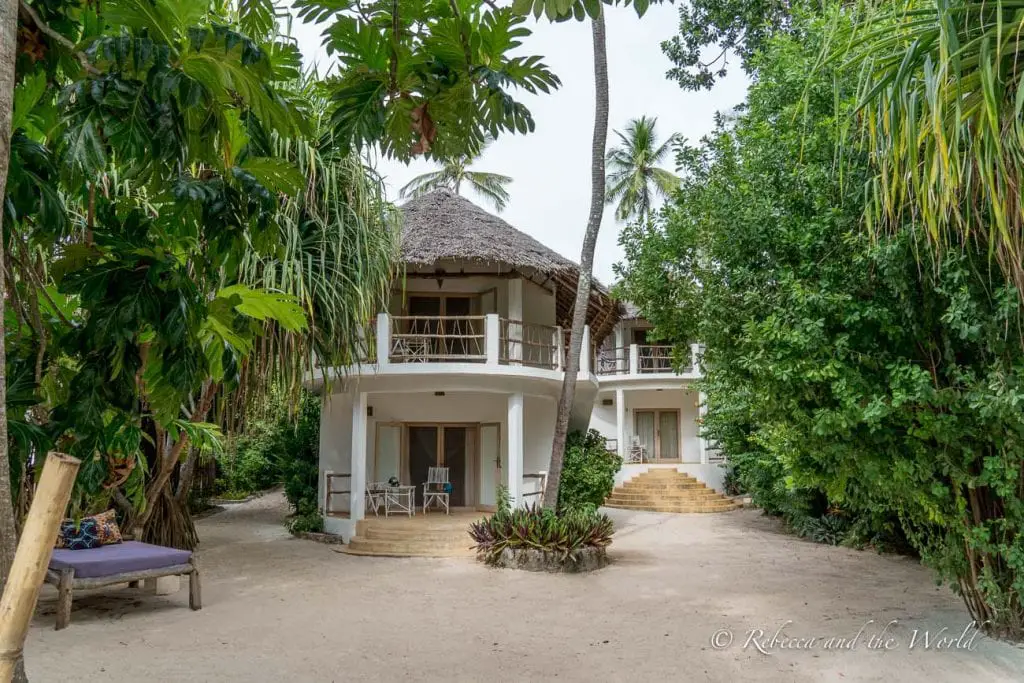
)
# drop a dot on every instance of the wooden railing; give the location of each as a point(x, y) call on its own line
point(530, 344)
point(654, 359)
point(330, 491)
point(437, 339)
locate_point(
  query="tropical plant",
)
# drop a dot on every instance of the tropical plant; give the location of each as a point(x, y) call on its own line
point(453, 172)
point(559, 10)
point(186, 233)
point(839, 373)
point(588, 472)
point(634, 178)
point(420, 77)
point(535, 528)
point(941, 92)
point(8, 55)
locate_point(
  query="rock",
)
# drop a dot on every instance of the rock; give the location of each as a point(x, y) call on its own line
point(585, 560)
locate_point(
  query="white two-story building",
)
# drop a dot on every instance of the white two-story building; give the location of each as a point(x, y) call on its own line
point(465, 368)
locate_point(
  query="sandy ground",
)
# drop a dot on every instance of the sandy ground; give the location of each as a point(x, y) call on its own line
point(282, 609)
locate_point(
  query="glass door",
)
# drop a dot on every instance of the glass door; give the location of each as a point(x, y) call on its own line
point(491, 470)
point(646, 430)
point(658, 432)
point(455, 460)
point(423, 454)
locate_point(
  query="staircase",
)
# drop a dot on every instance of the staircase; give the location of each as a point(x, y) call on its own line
point(667, 490)
point(432, 535)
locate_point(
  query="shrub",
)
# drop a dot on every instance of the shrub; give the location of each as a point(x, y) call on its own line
point(831, 529)
point(306, 520)
point(537, 528)
point(588, 472)
point(297, 454)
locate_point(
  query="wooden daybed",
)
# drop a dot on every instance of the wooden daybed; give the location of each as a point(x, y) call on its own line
point(128, 562)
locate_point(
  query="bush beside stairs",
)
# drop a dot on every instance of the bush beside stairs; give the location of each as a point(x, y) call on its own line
point(668, 490)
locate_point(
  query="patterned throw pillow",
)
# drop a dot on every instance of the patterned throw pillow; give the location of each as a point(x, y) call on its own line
point(80, 535)
point(100, 529)
point(107, 529)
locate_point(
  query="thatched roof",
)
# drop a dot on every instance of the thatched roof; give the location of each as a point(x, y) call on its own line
point(442, 228)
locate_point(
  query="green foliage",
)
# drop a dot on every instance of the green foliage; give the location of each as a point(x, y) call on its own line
point(588, 472)
point(737, 28)
point(184, 234)
point(536, 528)
point(306, 520)
point(297, 446)
point(840, 374)
point(425, 77)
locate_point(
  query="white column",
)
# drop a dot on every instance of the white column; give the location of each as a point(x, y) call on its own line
point(515, 316)
point(620, 343)
point(515, 448)
point(357, 499)
point(586, 353)
point(559, 348)
point(634, 359)
point(620, 421)
point(702, 410)
point(492, 338)
point(695, 358)
point(383, 338)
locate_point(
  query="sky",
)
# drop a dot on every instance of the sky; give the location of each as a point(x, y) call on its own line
point(551, 166)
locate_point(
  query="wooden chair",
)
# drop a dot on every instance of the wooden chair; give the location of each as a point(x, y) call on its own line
point(637, 451)
point(437, 488)
point(376, 494)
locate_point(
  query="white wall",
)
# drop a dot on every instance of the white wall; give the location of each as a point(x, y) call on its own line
point(603, 417)
point(336, 444)
point(538, 304)
point(454, 407)
point(681, 399)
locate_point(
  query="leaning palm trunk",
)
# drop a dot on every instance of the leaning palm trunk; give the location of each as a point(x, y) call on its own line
point(579, 314)
point(8, 53)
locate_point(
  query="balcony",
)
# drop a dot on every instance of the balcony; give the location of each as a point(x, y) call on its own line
point(480, 339)
point(643, 359)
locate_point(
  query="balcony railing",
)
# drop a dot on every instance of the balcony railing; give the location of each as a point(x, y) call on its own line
point(487, 339)
point(612, 361)
point(530, 344)
point(437, 339)
point(642, 359)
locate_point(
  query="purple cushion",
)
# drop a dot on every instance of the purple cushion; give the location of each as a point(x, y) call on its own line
point(120, 558)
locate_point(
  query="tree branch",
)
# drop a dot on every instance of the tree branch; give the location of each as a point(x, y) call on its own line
point(61, 40)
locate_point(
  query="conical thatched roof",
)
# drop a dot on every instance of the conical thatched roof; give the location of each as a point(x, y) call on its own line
point(442, 228)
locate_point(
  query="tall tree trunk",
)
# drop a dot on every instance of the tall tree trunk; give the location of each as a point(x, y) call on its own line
point(579, 313)
point(8, 53)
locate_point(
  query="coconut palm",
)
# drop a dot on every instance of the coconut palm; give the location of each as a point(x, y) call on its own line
point(455, 171)
point(634, 179)
point(558, 10)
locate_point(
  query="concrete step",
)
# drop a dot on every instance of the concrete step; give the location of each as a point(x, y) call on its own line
point(699, 500)
point(682, 509)
point(668, 486)
point(667, 503)
point(405, 548)
point(440, 536)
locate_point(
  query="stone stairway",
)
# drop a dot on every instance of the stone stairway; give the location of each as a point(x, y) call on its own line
point(431, 535)
point(667, 490)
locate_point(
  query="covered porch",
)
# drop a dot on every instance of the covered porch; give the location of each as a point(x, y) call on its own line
point(391, 440)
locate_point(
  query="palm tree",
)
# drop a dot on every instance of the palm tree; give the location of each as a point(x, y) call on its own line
point(942, 90)
point(634, 178)
point(453, 172)
point(557, 10)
